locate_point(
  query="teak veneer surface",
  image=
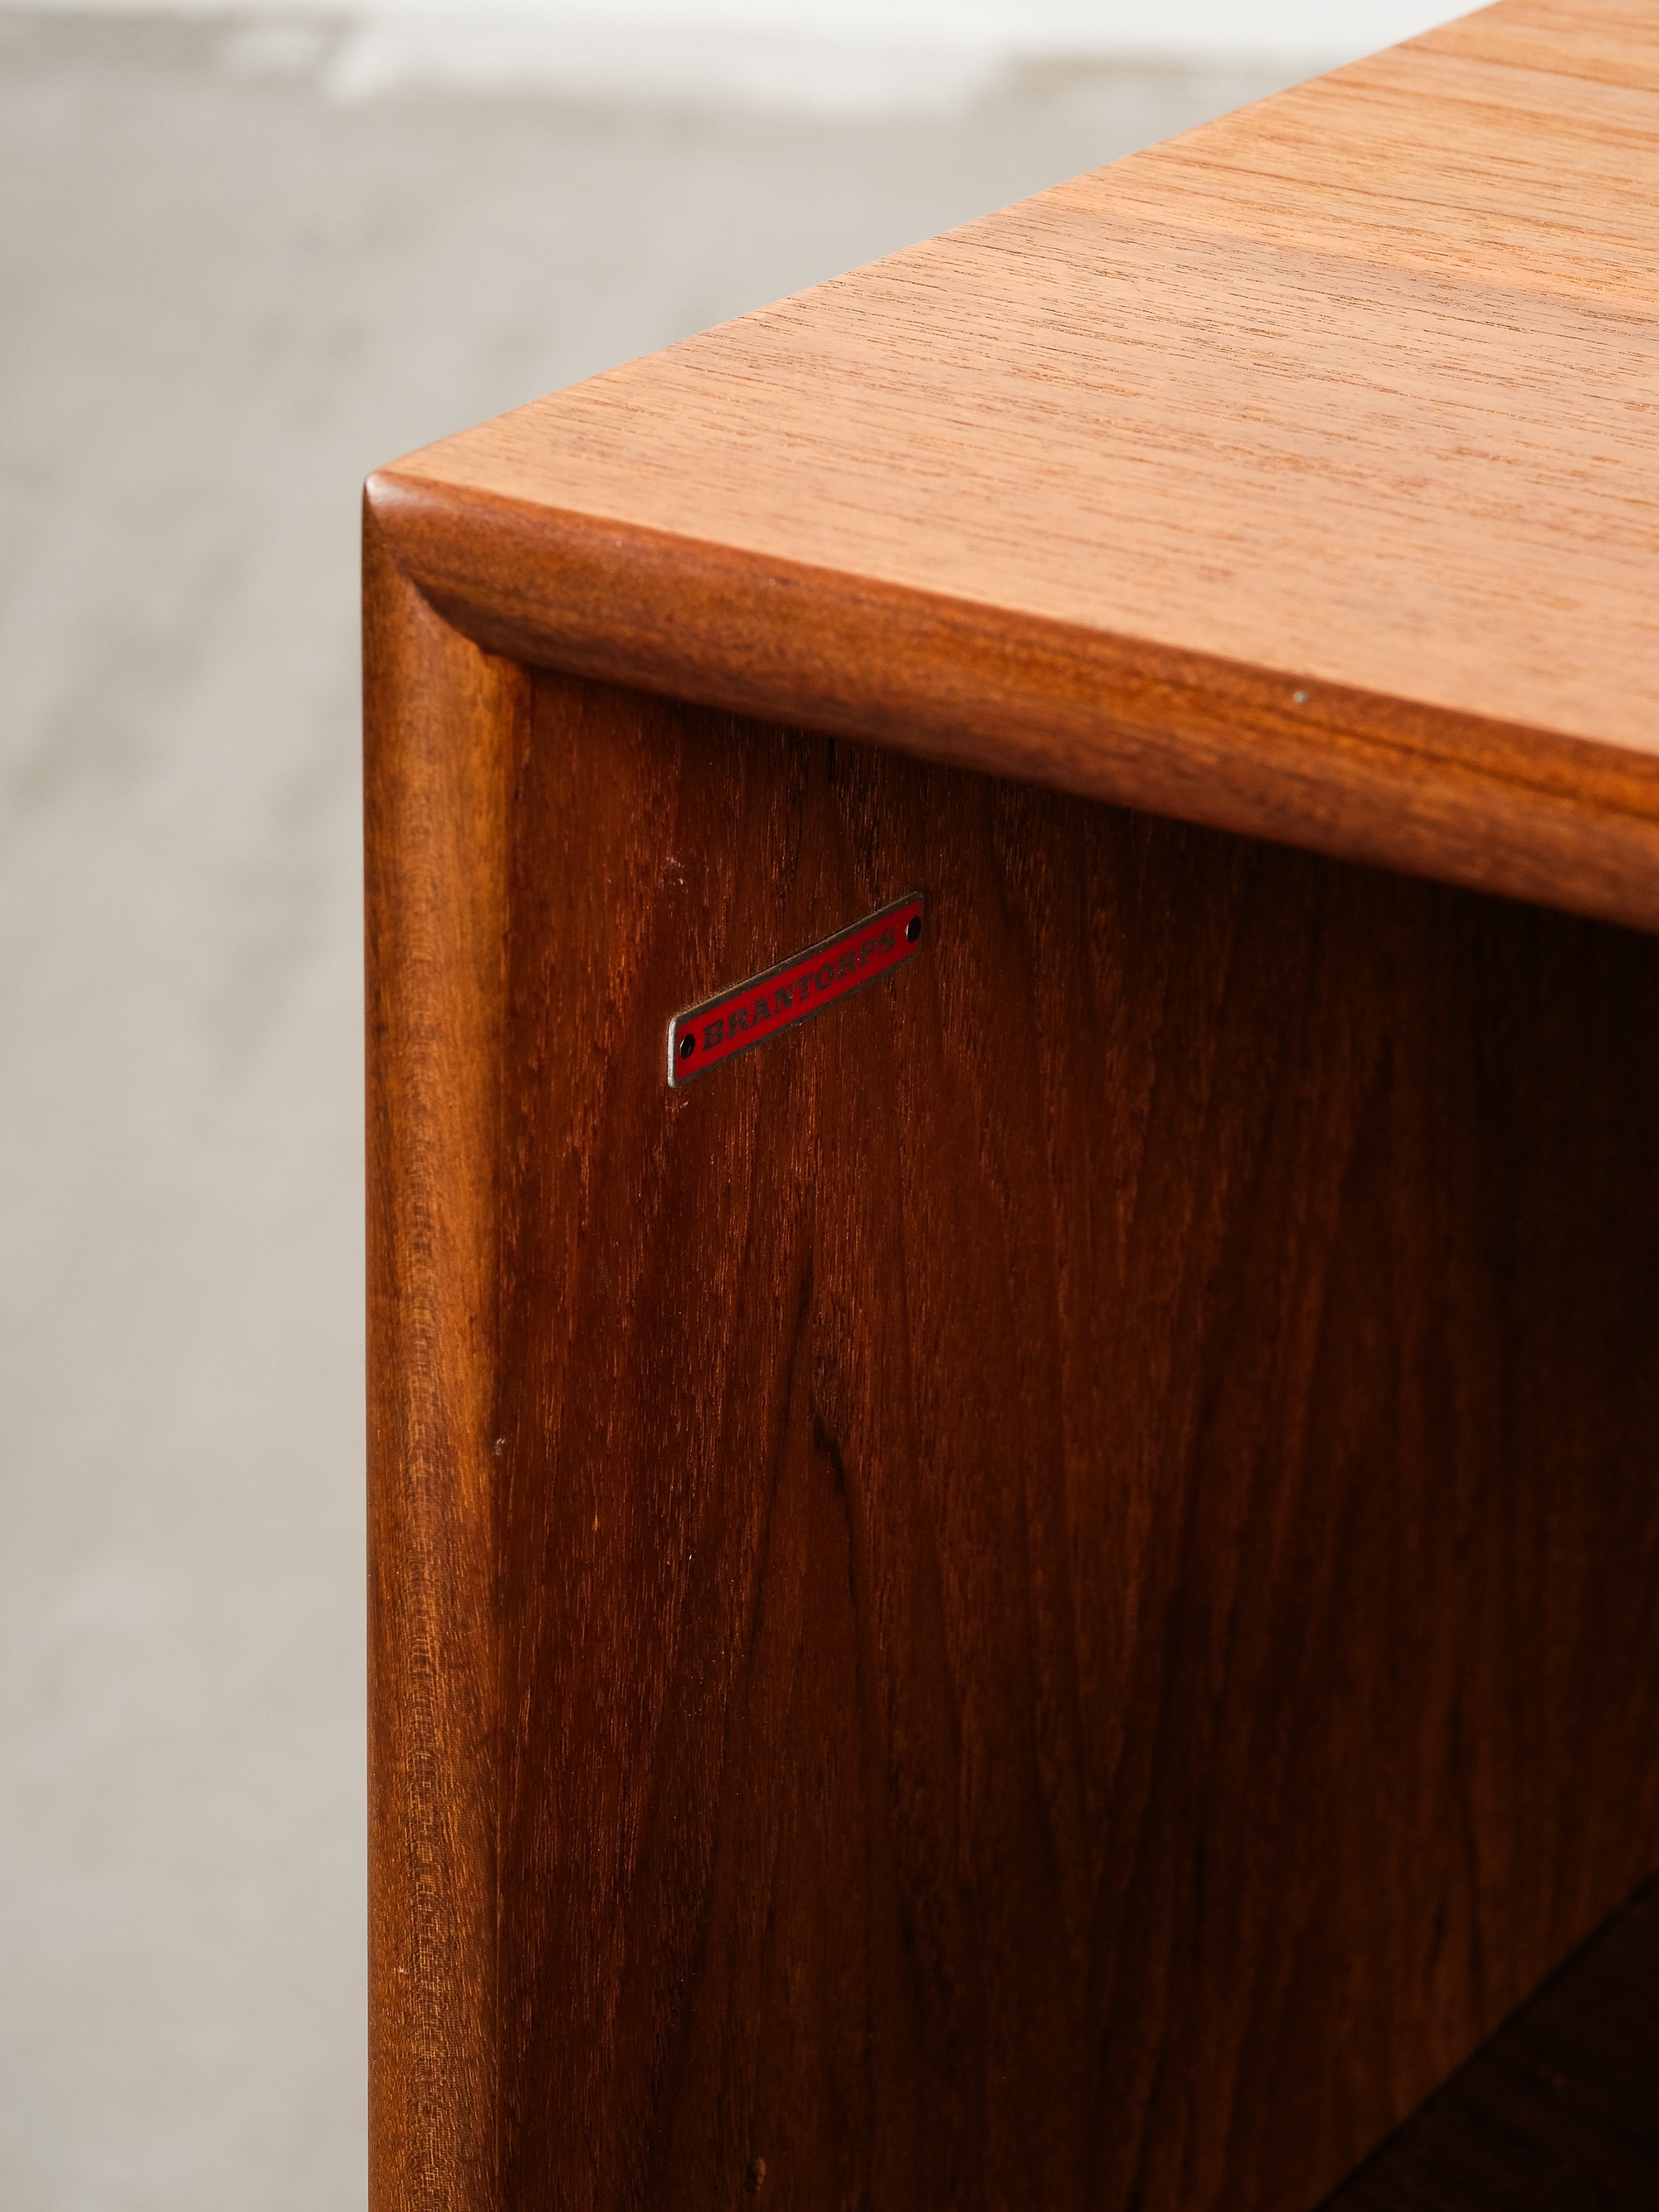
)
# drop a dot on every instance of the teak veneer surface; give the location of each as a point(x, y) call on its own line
point(1559, 2112)
point(1042, 1594)
point(1075, 1541)
point(1299, 475)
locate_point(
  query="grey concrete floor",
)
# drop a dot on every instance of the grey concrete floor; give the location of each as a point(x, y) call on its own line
point(224, 297)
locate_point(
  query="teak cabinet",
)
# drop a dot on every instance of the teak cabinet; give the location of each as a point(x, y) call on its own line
point(1043, 1592)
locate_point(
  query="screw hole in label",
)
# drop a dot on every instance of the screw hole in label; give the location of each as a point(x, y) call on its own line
point(783, 997)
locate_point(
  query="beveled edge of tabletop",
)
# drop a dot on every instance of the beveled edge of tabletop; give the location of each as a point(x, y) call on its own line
point(1494, 806)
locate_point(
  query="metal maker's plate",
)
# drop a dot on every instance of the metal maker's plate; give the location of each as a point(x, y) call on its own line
point(792, 993)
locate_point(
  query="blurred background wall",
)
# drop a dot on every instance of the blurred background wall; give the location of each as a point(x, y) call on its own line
point(1330, 29)
point(245, 255)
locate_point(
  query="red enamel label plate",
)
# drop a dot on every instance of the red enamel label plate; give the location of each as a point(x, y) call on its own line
point(792, 992)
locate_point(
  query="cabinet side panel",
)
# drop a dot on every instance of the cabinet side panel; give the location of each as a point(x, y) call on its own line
point(1078, 1536)
point(441, 721)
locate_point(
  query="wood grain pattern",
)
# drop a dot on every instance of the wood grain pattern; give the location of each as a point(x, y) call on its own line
point(441, 722)
point(1300, 477)
point(1559, 2112)
point(1042, 1594)
point(1077, 1538)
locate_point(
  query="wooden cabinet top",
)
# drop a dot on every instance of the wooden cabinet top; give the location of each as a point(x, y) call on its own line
point(1299, 475)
